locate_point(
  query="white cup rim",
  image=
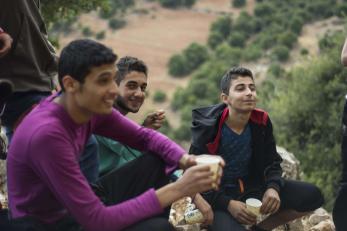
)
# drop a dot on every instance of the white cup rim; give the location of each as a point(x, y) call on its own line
point(207, 159)
point(253, 202)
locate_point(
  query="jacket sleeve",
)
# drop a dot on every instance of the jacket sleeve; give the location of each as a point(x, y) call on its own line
point(273, 169)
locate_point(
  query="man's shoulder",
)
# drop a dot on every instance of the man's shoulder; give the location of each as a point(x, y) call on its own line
point(259, 116)
point(211, 111)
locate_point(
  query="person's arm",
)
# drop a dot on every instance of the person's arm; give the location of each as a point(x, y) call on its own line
point(58, 167)
point(154, 120)
point(5, 43)
point(273, 169)
point(126, 131)
point(344, 54)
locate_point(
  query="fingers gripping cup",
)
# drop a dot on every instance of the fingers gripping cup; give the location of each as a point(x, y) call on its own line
point(213, 162)
point(254, 205)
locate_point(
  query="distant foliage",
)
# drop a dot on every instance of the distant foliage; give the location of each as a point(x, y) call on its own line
point(55, 10)
point(237, 39)
point(159, 96)
point(100, 35)
point(177, 3)
point(115, 7)
point(116, 23)
point(280, 53)
point(215, 39)
point(178, 66)
point(301, 123)
point(222, 26)
point(87, 32)
point(238, 3)
point(193, 56)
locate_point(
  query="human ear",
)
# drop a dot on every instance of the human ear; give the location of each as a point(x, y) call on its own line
point(69, 83)
point(224, 97)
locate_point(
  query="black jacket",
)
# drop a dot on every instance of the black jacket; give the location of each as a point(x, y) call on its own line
point(265, 169)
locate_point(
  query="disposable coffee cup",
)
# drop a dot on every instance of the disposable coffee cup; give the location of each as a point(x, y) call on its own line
point(253, 205)
point(213, 162)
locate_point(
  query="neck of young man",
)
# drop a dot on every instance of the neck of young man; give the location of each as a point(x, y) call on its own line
point(122, 110)
point(77, 115)
point(237, 120)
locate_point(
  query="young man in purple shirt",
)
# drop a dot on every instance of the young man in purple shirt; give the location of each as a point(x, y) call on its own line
point(45, 185)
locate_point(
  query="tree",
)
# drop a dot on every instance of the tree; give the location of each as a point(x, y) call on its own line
point(159, 96)
point(239, 3)
point(280, 53)
point(195, 55)
point(177, 3)
point(287, 39)
point(222, 26)
point(237, 39)
point(178, 66)
point(306, 107)
point(214, 39)
point(54, 10)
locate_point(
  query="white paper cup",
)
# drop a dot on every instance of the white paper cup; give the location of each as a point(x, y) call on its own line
point(253, 205)
point(194, 216)
point(213, 162)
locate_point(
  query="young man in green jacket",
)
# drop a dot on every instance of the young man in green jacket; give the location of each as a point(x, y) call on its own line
point(132, 83)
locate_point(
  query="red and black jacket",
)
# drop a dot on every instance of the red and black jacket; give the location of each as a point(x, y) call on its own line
point(264, 168)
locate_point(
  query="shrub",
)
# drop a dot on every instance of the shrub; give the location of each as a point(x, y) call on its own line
point(296, 24)
point(195, 55)
point(159, 96)
point(237, 39)
point(176, 3)
point(239, 3)
point(252, 53)
point(287, 39)
point(245, 24)
point(215, 39)
point(100, 35)
point(178, 66)
point(230, 55)
point(115, 23)
point(280, 53)
point(222, 26)
point(87, 32)
point(276, 70)
point(304, 51)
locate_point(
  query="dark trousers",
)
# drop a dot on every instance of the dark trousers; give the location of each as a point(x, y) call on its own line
point(295, 195)
point(131, 180)
point(340, 209)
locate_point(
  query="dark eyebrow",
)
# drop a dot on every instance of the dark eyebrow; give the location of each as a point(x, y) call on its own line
point(106, 74)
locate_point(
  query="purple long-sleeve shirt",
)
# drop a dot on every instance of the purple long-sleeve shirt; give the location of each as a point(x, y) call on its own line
point(44, 178)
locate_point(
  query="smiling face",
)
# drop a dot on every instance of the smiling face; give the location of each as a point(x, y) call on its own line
point(98, 92)
point(132, 91)
point(242, 95)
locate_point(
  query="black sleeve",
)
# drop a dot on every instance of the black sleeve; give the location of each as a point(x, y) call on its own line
point(217, 199)
point(273, 169)
point(194, 149)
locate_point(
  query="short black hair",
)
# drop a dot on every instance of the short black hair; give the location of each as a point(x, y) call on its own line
point(128, 64)
point(232, 74)
point(79, 56)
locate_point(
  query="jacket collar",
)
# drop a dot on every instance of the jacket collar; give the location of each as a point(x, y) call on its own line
point(258, 116)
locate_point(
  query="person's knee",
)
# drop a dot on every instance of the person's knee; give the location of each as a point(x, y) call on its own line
point(313, 200)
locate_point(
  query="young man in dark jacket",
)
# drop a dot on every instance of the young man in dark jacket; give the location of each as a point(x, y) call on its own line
point(243, 136)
